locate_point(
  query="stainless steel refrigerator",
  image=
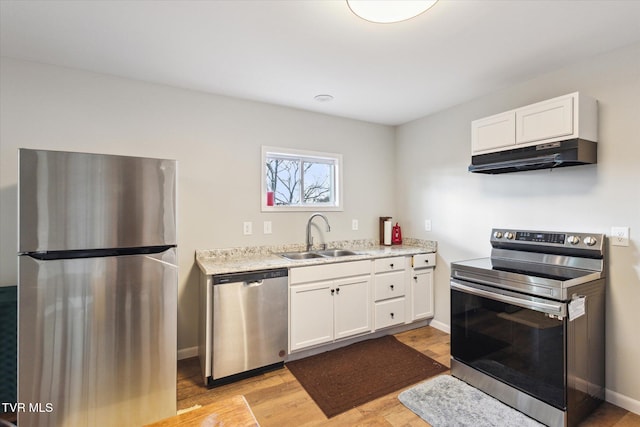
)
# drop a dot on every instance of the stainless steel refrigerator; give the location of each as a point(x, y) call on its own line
point(97, 289)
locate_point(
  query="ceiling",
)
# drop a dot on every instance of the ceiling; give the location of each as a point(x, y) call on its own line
point(286, 52)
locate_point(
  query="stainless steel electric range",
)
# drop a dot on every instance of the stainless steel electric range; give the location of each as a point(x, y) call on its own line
point(527, 324)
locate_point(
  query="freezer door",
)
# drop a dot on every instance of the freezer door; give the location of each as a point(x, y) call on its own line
point(97, 340)
point(70, 201)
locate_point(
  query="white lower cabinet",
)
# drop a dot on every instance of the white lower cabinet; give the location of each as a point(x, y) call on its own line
point(390, 313)
point(311, 314)
point(328, 310)
point(351, 307)
point(422, 286)
point(390, 276)
point(330, 302)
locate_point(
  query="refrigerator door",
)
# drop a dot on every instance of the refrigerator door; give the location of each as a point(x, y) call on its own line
point(72, 201)
point(97, 340)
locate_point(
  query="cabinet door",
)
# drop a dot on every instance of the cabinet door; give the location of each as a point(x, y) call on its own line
point(422, 293)
point(545, 120)
point(311, 319)
point(351, 306)
point(493, 132)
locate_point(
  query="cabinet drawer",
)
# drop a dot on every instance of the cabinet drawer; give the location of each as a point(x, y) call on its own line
point(382, 265)
point(389, 285)
point(424, 260)
point(389, 313)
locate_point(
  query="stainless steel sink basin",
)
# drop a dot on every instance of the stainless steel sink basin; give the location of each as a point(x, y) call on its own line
point(300, 255)
point(328, 253)
point(336, 252)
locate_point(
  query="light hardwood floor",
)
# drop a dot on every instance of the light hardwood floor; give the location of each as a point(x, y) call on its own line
point(277, 399)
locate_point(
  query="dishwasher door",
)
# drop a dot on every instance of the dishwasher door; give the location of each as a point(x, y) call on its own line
point(249, 323)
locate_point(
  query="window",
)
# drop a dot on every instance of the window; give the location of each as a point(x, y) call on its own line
point(300, 180)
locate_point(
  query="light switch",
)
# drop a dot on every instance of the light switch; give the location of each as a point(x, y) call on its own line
point(267, 227)
point(354, 224)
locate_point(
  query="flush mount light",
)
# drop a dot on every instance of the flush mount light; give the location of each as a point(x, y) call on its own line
point(323, 98)
point(388, 11)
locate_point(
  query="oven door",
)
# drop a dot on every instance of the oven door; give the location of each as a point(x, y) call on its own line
point(515, 338)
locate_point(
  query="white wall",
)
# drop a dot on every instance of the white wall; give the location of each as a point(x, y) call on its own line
point(216, 141)
point(432, 156)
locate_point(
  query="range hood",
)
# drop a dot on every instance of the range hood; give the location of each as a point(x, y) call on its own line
point(572, 152)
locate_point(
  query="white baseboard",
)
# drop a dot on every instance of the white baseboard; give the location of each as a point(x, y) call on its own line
point(441, 326)
point(186, 353)
point(622, 401)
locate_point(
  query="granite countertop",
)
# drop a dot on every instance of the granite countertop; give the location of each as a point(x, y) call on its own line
point(234, 260)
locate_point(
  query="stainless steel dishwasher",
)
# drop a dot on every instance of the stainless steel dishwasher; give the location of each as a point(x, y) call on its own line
point(249, 317)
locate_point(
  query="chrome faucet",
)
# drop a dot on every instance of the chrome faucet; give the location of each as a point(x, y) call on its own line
point(309, 237)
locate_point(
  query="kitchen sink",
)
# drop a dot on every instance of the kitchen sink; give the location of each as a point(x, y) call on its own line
point(328, 253)
point(300, 255)
point(336, 252)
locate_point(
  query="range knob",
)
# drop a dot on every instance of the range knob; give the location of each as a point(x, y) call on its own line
point(498, 234)
point(509, 235)
point(574, 240)
point(590, 241)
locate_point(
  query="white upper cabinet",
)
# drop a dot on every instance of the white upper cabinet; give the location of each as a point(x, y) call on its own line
point(565, 117)
point(548, 119)
point(493, 132)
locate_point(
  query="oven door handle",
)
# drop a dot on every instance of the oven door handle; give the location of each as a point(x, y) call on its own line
point(551, 308)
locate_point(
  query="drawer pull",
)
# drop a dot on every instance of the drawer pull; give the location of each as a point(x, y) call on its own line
point(391, 286)
point(427, 261)
point(415, 277)
point(392, 315)
point(391, 265)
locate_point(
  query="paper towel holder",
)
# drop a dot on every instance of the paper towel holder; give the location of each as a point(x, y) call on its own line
point(382, 220)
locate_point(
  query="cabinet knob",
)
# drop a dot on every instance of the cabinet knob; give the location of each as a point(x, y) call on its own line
point(391, 265)
point(332, 291)
point(427, 261)
point(338, 291)
point(415, 277)
point(391, 286)
point(392, 315)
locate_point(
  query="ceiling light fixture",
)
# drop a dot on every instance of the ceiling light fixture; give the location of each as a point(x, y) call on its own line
point(323, 98)
point(389, 11)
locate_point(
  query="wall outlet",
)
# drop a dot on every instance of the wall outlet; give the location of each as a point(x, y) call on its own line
point(620, 236)
point(427, 225)
point(247, 228)
point(354, 224)
point(267, 227)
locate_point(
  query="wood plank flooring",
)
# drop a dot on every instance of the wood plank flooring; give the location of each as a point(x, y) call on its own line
point(277, 399)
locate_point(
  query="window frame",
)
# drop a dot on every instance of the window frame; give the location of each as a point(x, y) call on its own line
point(303, 155)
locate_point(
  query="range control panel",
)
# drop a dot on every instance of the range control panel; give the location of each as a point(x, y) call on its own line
point(552, 239)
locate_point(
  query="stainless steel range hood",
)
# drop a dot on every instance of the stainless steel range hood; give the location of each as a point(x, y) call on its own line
point(572, 152)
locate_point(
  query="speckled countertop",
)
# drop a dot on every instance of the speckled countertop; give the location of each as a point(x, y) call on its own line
point(233, 260)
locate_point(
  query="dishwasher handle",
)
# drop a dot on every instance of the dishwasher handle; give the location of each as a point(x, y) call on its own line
point(253, 283)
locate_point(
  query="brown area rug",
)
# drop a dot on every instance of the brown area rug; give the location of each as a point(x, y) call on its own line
point(342, 379)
